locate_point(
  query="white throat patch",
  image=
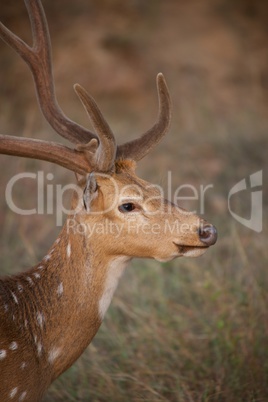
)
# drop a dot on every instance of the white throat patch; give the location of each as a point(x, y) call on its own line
point(114, 273)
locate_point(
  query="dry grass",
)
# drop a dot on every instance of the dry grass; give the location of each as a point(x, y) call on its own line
point(191, 330)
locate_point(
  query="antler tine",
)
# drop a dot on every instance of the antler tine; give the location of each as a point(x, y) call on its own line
point(38, 57)
point(104, 156)
point(139, 147)
point(44, 150)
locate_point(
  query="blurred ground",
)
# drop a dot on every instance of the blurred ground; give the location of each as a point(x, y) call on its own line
point(191, 330)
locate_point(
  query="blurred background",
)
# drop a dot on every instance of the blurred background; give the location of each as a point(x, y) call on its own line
point(192, 329)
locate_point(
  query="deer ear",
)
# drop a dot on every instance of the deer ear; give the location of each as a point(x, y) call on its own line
point(90, 191)
point(81, 179)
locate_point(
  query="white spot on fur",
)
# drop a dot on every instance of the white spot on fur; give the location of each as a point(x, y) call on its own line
point(26, 323)
point(47, 257)
point(60, 289)
point(6, 307)
point(37, 275)
point(13, 346)
point(13, 392)
point(14, 297)
point(22, 397)
point(114, 272)
point(53, 354)
point(40, 267)
point(29, 279)
point(39, 348)
point(23, 365)
point(68, 251)
point(20, 287)
point(40, 318)
point(3, 354)
point(57, 241)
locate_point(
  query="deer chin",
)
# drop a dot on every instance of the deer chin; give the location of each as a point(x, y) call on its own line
point(184, 251)
point(194, 251)
point(188, 251)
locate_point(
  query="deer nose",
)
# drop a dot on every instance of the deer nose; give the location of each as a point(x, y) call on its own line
point(208, 234)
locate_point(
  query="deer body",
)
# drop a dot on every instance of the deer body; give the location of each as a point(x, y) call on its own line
point(49, 314)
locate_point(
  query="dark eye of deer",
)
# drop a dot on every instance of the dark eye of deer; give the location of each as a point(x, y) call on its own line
point(128, 207)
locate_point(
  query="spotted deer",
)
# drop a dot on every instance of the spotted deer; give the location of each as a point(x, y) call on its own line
point(50, 313)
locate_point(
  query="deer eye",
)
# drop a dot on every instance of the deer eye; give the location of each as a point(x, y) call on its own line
point(127, 207)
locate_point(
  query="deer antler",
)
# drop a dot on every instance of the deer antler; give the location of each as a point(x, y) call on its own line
point(139, 147)
point(38, 57)
point(105, 154)
point(44, 150)
point(93, 151)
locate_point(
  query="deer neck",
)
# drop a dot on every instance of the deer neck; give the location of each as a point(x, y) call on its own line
point(65, 298)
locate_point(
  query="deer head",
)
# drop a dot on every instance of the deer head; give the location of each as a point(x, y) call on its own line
point(136, 220)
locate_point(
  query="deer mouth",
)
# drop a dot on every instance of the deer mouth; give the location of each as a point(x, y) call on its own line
point(191, 251)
